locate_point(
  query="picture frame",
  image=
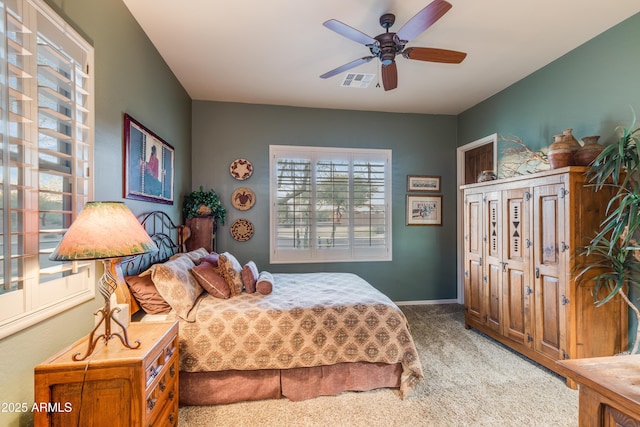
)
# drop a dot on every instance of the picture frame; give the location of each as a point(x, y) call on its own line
point(423, 183)
point(148, 164)
point(424, 209)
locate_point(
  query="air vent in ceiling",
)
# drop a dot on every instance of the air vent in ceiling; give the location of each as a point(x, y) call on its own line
point(358, 80)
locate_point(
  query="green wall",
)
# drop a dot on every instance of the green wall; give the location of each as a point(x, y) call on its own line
point(131, 77)
point(590, 89)
point(424, 258)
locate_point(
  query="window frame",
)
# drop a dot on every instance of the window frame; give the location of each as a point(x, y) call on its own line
point(315, 253)
point(67, 156)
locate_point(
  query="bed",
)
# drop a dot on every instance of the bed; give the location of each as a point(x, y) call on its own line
point(313, 334)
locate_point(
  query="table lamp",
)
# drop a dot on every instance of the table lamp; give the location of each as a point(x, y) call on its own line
point(106, 231)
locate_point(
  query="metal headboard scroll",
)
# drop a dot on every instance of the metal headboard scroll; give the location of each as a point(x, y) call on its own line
point(168, 237)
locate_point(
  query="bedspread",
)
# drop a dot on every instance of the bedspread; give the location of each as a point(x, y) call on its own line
point(310, 319)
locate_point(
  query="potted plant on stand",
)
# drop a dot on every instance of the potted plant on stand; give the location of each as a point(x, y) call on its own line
point(615, 250)
point(202, 210)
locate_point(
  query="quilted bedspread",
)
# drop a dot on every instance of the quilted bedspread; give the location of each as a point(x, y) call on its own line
point(308, 320)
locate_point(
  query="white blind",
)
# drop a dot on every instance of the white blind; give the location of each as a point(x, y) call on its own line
point(47, 153)
point(330, 204)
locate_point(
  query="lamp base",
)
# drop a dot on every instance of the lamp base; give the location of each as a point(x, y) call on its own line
point(107, 285)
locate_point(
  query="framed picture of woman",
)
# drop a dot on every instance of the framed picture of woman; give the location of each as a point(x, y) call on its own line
point(149, 161)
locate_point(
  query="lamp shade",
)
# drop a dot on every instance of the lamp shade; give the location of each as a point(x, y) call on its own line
point(103, 230)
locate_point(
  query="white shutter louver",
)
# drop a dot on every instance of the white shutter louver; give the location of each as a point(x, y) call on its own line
point(46, 100)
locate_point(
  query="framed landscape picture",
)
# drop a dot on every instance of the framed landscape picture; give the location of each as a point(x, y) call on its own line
point(424, 183)
point(149, 164)
point(424, 210)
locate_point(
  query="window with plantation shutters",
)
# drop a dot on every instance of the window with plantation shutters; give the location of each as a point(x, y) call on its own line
point(46, 103)
point(330, 204)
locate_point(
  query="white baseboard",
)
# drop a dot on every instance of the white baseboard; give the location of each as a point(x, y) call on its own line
point(428, 302)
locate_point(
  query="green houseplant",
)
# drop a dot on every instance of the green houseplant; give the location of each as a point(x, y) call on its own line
point(615, 249)
point(202, 203)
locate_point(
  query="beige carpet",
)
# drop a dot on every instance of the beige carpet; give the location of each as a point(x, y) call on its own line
point(470, 380)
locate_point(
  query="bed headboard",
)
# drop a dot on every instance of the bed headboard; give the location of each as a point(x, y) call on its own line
point(168, 237)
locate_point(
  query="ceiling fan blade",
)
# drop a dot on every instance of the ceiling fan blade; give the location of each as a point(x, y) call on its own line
point(390, 76)
point(423, 19)
point(349, 32)
point(346, 67)
point(434, 55)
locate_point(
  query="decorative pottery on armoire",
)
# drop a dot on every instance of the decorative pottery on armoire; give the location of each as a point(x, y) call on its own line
point(571, 140)
point(589, 151)
point(560, 152)
point(487, 175)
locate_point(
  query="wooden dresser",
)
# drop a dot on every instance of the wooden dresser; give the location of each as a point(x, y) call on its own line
point(115, 386)
point(609, 390)
point(523, 237)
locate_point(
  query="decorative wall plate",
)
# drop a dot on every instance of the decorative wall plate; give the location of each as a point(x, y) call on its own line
point(241, 169)
point(242, 230)
point(243, 198)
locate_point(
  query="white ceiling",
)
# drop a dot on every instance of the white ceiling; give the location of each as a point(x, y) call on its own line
point(273, 51)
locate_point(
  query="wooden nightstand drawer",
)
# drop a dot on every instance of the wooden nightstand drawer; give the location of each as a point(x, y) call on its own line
point(114, 380)
point(164, 391)
point(160, 361)
point(169, 414)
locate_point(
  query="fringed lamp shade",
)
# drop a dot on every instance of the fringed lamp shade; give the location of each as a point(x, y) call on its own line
point(103, 230)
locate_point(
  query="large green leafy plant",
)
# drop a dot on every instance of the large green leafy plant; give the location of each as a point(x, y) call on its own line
point(615, 250)
point(202, 203)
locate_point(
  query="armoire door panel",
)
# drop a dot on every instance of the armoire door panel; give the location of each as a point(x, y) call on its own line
point(492, 224)
point(473, 247)
point(493, 261)
point(494, 309)
point(548, 224)
point(549, 262)
point(514, 319)
point(516, 276)
point(548, 328)
point(474, 290)
point(474, 224)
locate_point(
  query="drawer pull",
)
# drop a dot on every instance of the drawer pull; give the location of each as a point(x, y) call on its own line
point(162, 386)
point(171, 418)
point(170, 351)
point(153, 372)
point(151, 403)
point(172, 371)
point(171, 395)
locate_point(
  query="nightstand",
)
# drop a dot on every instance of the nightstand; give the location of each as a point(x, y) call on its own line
point(114, 386)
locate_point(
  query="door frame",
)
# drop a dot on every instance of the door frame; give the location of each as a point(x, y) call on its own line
point(460, 154)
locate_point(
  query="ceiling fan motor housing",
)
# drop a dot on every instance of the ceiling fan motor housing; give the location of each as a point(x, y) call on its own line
point(389, 47)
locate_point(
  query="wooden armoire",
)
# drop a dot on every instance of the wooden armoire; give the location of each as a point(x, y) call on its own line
point(523, 239)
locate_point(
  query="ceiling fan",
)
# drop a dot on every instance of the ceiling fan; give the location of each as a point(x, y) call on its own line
point(387, 45)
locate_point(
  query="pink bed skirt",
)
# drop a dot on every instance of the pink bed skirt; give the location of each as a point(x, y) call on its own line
point(214, 388)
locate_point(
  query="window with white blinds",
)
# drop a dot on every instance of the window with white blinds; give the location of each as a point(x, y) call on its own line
point(330, 204)
point(46, 101)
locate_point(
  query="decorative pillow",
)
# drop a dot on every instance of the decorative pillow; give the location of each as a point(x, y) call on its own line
point(249, 276)
point(210, 280)
point(230, 269)
point(211, 258)
point(264, 285)
point(194, 256)
point(175, 283)
point(145, 292)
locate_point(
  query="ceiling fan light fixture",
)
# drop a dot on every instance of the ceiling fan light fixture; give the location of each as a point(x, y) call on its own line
point(387, 58)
